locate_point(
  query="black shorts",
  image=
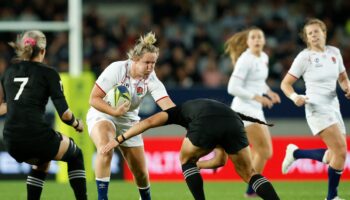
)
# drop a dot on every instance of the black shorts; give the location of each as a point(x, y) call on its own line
point(41, 150)
point(228, 132)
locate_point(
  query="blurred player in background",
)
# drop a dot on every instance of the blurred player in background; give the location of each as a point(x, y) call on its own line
point(209, 124)
point(26, 87)
point(248, 85)
point(105, 122)
point(320, 66)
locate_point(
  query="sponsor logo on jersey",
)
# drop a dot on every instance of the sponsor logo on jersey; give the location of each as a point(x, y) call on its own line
point(317, 60)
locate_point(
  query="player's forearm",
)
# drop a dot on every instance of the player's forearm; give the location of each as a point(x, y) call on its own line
point(100, 105)
point(344, 81)
point(287, 88)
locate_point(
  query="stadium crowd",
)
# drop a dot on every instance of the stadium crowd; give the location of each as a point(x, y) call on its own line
point(191, 34)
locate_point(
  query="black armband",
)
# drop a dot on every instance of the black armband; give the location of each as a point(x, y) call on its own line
point(76, 126)
point(120, 142)
point(71, 121)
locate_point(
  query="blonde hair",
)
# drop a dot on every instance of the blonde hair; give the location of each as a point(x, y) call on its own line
point(237, 43)
point(144, 45)
point(28, 45)
point(312, 21)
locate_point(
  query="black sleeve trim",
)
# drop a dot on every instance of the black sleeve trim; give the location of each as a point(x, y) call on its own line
point(173, 115)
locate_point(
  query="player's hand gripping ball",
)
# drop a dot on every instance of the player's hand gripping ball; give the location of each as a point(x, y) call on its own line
point(118, 95)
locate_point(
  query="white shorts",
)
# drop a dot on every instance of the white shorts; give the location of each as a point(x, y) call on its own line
point(319, 117)
point(256, 113)
point(120, 126)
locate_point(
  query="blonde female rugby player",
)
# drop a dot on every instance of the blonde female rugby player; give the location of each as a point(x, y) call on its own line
point(105, 122)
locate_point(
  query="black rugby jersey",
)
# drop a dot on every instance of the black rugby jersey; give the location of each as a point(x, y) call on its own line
point(27, 88)
point(193, 110)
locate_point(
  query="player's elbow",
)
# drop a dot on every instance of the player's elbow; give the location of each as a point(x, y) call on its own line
point(156, 120)
point(231, 91)
point(283, 85)
point(67, 115)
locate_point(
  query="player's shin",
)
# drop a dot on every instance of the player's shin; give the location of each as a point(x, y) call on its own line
point(35, 183)
point(76, 170)
point(263, 187)
point(194, 180)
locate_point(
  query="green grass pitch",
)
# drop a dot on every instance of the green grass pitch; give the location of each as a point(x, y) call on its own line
point(120, 190)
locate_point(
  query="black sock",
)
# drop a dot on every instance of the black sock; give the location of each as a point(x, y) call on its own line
point(77, 179)
point(263, 187)
point(145, 193)
point(35, 183)
point(194, 180)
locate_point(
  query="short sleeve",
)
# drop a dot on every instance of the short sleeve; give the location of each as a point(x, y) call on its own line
point(174, 115)
point(111, 76)
point(299, 65)
point(156, 88)
point(341, 62)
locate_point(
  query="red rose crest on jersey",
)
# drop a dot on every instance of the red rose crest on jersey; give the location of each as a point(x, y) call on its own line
point(139, 90)
point(334, 60)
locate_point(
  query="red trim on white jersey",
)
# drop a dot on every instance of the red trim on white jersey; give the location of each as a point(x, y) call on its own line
point(293, 75)
point(100, 88)
point(162, 98)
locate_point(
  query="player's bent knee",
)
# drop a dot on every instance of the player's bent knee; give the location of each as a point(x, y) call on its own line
point(73, 152)
point(105, 158)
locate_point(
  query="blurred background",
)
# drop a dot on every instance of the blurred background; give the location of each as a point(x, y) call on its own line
point(191, 36)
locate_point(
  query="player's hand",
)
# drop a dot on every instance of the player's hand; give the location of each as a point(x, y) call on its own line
point(266, 102)
point(275, 98)
point(109, 146)
point(300, 100)
point(347, 93)
point(80, 126)
point(122, 109)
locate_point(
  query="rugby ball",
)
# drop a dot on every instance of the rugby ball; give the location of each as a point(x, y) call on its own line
point(118, 95)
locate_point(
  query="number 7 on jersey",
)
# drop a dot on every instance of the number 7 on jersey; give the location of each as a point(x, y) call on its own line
point(24, 82)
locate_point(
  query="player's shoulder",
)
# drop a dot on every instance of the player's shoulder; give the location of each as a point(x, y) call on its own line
point(119, 66)
point(303, 55)
point(246, 55)
point(46, 69)
point(332, 49)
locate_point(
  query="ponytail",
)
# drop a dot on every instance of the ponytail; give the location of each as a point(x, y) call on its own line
point(252, 119)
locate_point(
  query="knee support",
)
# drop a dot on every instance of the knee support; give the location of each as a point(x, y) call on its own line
point(73, 156)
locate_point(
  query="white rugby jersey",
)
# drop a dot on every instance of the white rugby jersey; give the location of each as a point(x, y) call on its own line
point(320, 71)
point(248, 79)
point(119, 73)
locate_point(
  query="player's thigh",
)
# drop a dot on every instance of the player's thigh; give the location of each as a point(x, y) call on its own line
point(334, 139)
point(190, 152)
point(102, 132)
point(260, 138)
point(135, 157)
point(243, 163)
